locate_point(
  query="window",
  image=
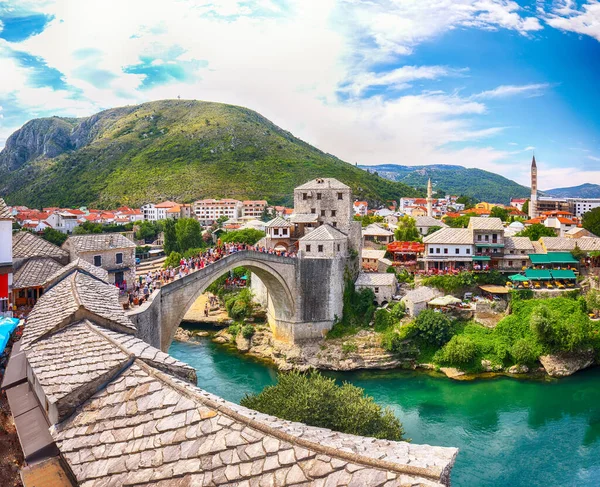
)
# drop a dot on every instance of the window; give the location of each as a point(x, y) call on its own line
point(276, 231)
point(445, 250)
point(319, 248)
point(340, 196)
point(457, 251)
point(468, 251)
point(318, 196)
point(479, 238)
point(523, 263)
point(487, 238)
point(510, 263)
point(376, 290)
point(313, 210)
point(332, 212)
point(322, 212)
point(98, 260)
point(431, 250)
point(334, 224)
point(119, 258)
point(437, 251)
point(338, 247)
point(304, 196)
point(308, 248)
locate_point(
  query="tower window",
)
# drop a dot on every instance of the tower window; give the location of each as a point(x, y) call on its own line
point(308, 248)
point(340, 196)
point(313, 210)
point(318, 196)
point(332, 212)
point(304, 196)
point(319, 248)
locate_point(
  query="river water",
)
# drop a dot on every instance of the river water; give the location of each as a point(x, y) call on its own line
point(510, 432)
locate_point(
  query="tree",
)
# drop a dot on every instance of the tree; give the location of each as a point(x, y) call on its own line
point(591, 221)
point(577, 253)
point(592, 301)
point(499, 212)
point(247, 236)
point(188, 233)
point(54, 236)
point(460, 350)
point(433, 229)
point(526, 207)
point(148, 231)
point(366, 220)
point(467, 201)
point(434, 328)
point(172, 260)
point(319, 401)
point(87, 228)
point(459, 222)
point(536, 231)
point(170, 237)
point(239, 305)
point(407, 230)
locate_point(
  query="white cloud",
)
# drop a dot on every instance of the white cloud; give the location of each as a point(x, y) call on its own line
point(505, 91)
point(568, 16)
point(594, 158)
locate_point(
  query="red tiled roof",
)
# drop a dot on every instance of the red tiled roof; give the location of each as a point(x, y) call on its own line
point(165, 204)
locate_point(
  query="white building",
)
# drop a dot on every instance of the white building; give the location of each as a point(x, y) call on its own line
point(154, 212)
point(208, 211)
point(383, 285)
point(253, 208)
point(361, 208)
point(425, 223)
point(449, 248)
point(63, 220)
point(579, 206)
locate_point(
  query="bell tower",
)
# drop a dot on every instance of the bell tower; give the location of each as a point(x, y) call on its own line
point(533, 199)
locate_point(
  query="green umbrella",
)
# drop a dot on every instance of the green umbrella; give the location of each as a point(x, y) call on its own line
point(518, 277)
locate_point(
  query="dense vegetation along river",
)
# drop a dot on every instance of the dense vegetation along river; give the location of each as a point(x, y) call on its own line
point(510, 432)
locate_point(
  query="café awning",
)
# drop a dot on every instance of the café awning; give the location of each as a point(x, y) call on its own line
point(481, 258)
point(538, 274)
point(563, 274)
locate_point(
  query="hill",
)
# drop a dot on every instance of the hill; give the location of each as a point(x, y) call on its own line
point(457, 180)
point(170, 149)
point(587, 190)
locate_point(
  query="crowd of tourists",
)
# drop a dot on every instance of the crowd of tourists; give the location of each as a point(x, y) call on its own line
point(146, 285)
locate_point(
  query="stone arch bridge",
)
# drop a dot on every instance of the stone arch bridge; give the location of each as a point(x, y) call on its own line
point(304, 296)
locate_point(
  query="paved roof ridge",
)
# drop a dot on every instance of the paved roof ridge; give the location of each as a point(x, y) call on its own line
point(429, 473)
point(77, 265)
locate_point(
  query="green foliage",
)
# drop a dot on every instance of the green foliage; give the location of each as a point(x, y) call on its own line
point(451, 283)
point(189, 234)
point(170, 237)
point(141, 153)
point(460, 350)
point(239, 305)
point(248, 331)
point(383, 320)
point(526, 207)
point(54, 236)
point(247, 236)
point(521, 294)
point(234, 329)
point(433, 229)
point(434, 328)
point(358, 310)
point(88, 228)
point(524, 352)
point(397, 311)
point(189, 253)
point(349, 347)
point(591, 221)
point(564, 329)
point(404, 276)
point(318, 401)
point(407, 230)
point(499, 212)
point(366, 220)
point(577, 253)
point(141, 250)
point(218, 286)
point(592, 300)
point(172, 260)
point(460, 221)
point(148, 231)
point(468, 201)
point(536, 231)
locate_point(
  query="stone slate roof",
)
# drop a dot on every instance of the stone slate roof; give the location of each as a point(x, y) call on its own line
point(146, 428)
point(324, 232)
point(77, 265)
point(5, 213)
point(304, 218)
point(278, 222)
point(518, 243)
point(552, 244)
point(35, 272)
point(98, 242)
point(375, 279)
point(376, 230)
point(72, 358)
point(27, 245)
point(488, 223)
point(421, 294)
point(322, 183)
point(450, 236)
point(372, 254)
point(76, 297)
point(429, 221)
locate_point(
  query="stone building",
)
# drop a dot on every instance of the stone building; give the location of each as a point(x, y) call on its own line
point(95, 406)
point(488, 238)
point(328, 199)
point(426, 223)
point(111, 251)
point(375, 236)
point(278, 234)
point(325, 242)
point(416, 301)
point(382, 284)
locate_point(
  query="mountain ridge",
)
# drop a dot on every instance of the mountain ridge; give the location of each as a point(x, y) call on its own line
point(586, 190)
point(169, 149)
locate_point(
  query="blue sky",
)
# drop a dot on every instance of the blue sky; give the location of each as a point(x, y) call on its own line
point(480, 83)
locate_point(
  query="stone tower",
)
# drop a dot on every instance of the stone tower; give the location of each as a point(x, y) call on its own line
point(533, 199)
point(429, 198)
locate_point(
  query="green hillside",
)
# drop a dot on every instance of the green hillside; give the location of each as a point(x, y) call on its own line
point(170, 149)
point(457, 180)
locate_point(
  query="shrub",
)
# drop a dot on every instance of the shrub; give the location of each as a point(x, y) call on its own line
point(234, 329)
point(192, 252)
point(319, 401)
point(172, 260)
point(434, 328)
point(523, 352)
point(247, 331)
point(460, 350)
point(240, 305)
point(383, 320)
point(397, 311)
point(349, 347)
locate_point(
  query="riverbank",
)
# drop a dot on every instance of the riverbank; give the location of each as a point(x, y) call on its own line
point(363, 351)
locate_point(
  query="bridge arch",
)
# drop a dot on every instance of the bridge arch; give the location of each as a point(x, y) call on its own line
point(277, 273)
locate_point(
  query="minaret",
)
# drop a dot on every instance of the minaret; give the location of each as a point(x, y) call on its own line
point(429, 198)
point(533, 199)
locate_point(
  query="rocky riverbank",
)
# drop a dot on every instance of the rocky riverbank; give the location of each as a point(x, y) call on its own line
point(364, 351)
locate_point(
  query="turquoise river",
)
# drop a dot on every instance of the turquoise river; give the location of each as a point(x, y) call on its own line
point(510, 432)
